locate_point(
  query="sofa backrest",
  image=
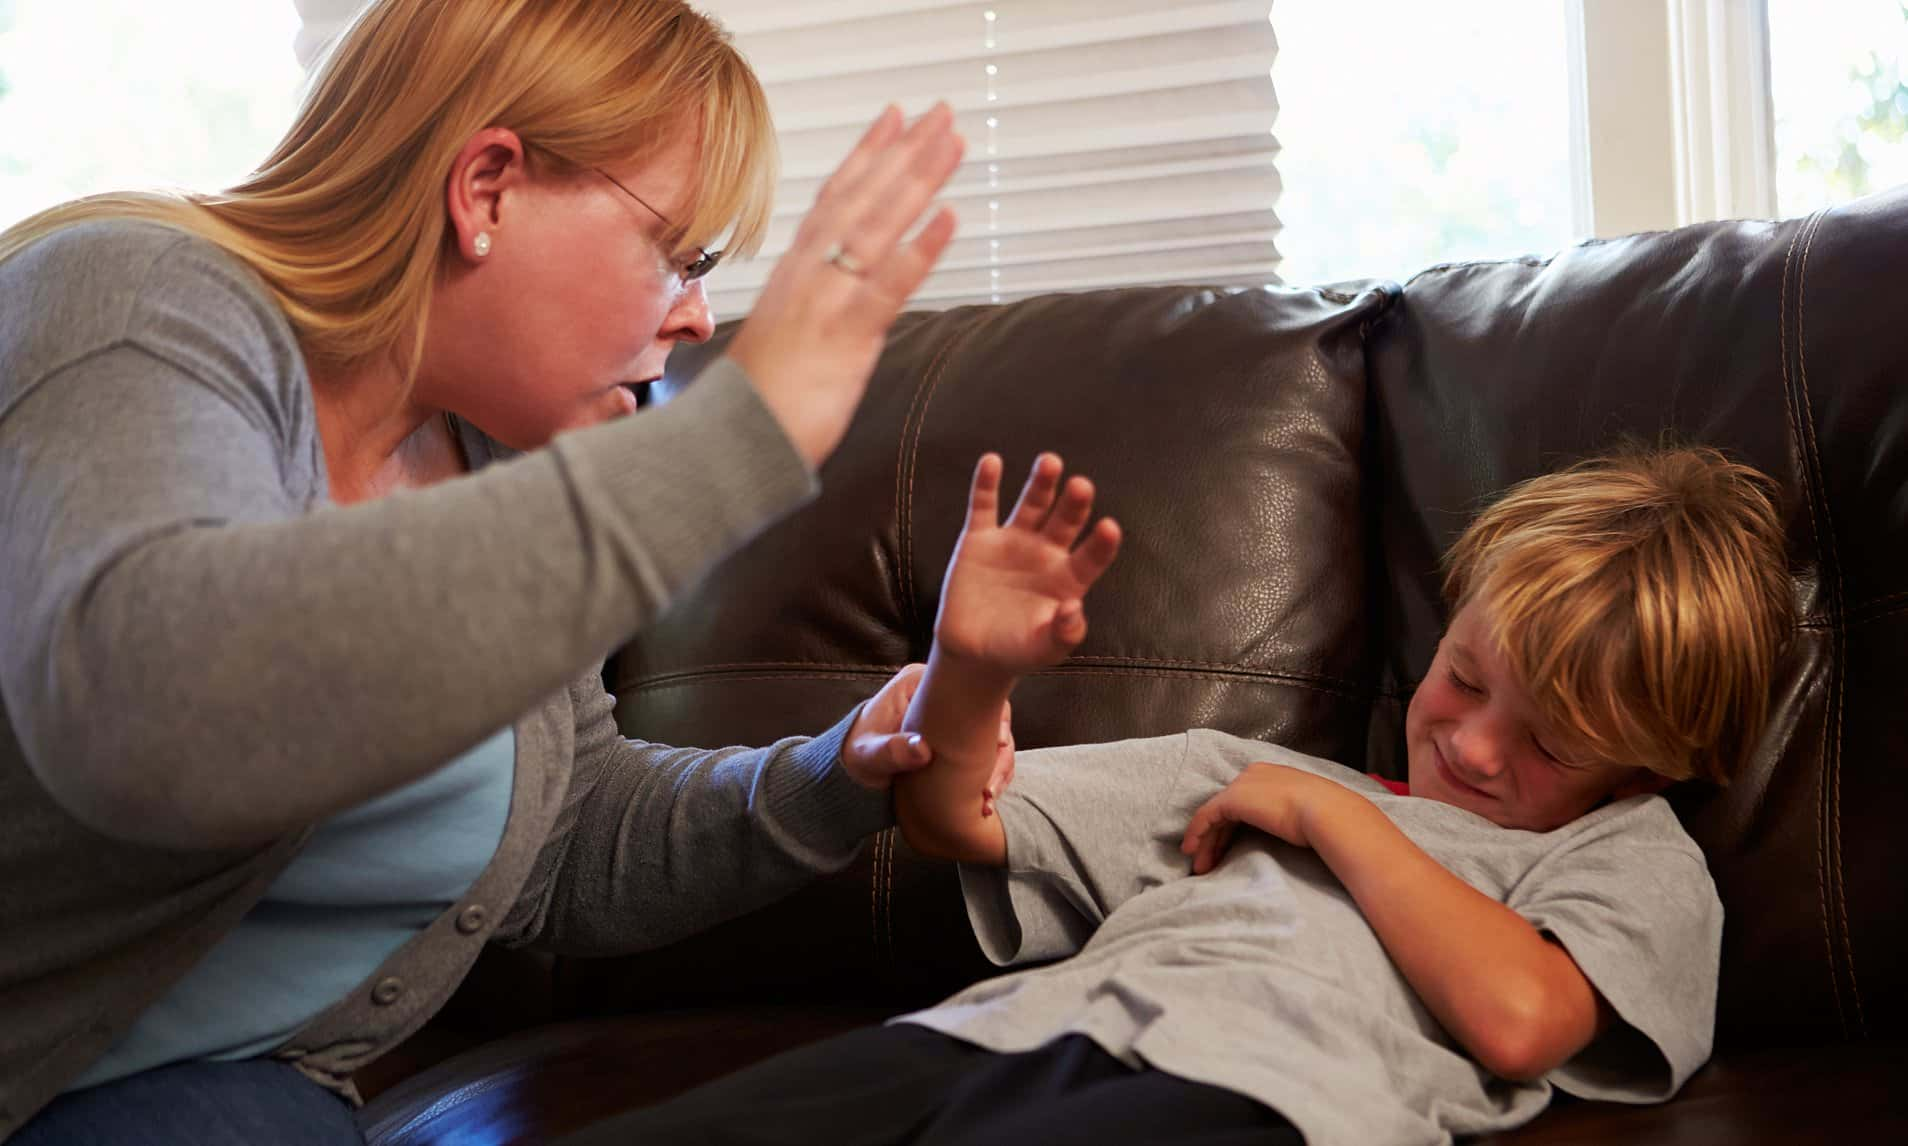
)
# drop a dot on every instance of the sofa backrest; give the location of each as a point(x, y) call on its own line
point(1224, 431)
point(1288, 465)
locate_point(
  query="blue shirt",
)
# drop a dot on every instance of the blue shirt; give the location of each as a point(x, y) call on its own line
point(366, 882)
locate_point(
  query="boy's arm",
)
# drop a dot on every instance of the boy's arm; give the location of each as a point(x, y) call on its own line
point(1515, 1000)
point(941, 808)
point(1011, 604)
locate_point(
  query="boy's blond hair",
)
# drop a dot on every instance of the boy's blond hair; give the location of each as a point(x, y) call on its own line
point(1641, 597)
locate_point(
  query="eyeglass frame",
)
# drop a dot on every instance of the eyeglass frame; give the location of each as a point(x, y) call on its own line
point(695, 270)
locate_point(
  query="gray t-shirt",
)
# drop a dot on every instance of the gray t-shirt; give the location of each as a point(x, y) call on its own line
point(1263, 977)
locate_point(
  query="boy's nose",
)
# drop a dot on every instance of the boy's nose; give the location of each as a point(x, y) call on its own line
point(1479, 753)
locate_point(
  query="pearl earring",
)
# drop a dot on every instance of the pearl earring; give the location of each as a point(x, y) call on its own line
point(481, 244)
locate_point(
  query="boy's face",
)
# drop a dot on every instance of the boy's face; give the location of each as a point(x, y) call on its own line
point(1475, 741)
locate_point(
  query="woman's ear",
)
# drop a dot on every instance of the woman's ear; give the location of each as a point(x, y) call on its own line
point(489, 167)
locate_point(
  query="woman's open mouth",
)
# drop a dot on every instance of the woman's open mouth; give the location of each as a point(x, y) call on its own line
point(634, 394)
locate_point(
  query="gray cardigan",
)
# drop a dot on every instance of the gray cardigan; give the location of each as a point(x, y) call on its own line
point(201, 656)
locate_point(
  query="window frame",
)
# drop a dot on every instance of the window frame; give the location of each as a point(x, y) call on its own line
point(1679, 115)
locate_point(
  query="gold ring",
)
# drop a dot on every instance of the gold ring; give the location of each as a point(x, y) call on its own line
point(839, 257)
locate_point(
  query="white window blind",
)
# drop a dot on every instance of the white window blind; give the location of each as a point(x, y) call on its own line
point(1110, 142)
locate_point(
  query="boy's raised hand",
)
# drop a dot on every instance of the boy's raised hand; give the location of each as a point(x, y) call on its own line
point(1012, 601)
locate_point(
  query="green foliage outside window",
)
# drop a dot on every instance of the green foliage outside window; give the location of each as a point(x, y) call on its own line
point(1841, 102)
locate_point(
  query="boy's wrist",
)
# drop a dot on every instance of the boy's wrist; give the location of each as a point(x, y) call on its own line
point(1334, 812)
point(957, 709)
point(976, 674)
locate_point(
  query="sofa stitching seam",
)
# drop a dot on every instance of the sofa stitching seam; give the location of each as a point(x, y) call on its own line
point(1869, 614)
point(1882, 600)
point(1230, 668)
point(904, 480)
point(1838, 668)
point(909, 463)
point(1798, 443)
point(1218, 666)
point(1163, 672)
point(874, 886)
point(887, 892)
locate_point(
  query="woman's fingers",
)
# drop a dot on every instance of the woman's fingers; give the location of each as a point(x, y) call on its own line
point(899, 193)
point(901, 179)
point(906, 682)
point(816, 330)
point(899, 275)
point(895, 180)
point(1003, 773)
point(873, 759)
point(880, 134)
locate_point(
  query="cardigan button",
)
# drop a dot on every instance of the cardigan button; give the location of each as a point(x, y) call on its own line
point(471, 920)
point(387, 991)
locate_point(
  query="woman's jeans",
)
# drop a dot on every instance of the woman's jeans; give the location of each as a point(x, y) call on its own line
point(253, 1102)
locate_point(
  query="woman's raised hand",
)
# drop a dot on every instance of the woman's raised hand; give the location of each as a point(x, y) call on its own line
point(811, 341)
point(1012, 601)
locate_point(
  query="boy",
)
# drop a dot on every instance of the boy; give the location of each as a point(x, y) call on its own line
point(1367, 965)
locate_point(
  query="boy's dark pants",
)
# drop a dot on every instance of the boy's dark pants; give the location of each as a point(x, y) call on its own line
point(908, 1084)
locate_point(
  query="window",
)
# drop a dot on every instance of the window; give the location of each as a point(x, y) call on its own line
point(1333, 141)
point(1774, 108)
point(1137, 140)
point(1841, 104)
point(1413, 133)
point(104, 95)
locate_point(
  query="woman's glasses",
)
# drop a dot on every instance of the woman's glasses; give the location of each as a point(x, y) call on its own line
point(704, 262)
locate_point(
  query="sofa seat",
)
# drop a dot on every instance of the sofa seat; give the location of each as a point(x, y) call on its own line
point(538, 1085)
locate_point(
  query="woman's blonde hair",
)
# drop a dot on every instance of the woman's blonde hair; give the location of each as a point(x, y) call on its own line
point(346, 220)
point(1641, 598)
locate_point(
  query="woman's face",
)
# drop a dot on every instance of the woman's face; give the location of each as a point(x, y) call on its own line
point(577, 299)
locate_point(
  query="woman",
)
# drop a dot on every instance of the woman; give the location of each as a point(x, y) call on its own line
point(293, 724)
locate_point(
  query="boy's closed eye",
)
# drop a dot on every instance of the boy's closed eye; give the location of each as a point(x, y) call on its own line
point(1462, 684)
point(1471, 688)
point(1559, 761)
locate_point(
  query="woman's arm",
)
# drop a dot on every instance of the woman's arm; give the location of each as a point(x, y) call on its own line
point(191, 659)
point(655, 843)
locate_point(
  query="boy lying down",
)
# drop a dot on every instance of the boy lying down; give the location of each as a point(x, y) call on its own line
point(1261, 946)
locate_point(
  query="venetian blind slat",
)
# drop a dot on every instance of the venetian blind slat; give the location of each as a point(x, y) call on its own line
point(1110, 143)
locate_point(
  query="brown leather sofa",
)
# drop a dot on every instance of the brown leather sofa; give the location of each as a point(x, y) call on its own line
point(1288, 465)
